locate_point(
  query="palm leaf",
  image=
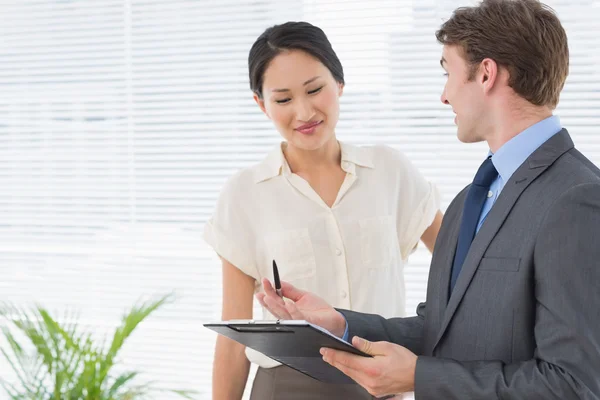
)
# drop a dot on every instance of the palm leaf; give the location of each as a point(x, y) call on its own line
point(65, 363)
point(72, 347)
point(17, 369)
point(40, 375)
point(120, 382)
point(38, 337)
point(19, 362)
point(11, 390)
point(129, 322)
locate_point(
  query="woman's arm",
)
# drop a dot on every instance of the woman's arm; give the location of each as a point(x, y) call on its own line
point(430, 234)
point(231, 367)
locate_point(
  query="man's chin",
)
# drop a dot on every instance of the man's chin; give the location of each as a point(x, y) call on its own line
point(468, 138)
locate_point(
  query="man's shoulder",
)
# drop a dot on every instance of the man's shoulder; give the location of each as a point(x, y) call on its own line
point(570, 170)
point(575, 176)
point(576, 163)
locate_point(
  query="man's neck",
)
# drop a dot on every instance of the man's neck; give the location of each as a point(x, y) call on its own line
point(512, 122)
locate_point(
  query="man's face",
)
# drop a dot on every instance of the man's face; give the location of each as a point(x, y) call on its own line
point(464, 95)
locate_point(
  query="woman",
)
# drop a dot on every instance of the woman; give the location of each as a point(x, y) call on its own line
point(340, 220)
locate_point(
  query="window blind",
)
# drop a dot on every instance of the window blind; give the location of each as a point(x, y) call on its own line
point(121, 119)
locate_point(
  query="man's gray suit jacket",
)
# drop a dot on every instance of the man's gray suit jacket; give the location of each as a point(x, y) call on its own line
point(523, 321)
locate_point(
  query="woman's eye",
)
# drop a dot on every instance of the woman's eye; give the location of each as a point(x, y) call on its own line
point(283, 101)
point(315, 91)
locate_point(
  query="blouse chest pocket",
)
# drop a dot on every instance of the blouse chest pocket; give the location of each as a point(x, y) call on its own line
point(293, 252)
point(379, 241)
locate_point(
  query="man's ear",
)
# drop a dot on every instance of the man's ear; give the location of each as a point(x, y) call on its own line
point(261, 105)
point(489, 73)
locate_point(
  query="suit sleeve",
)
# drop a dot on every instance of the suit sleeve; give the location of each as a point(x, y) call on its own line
point(566, 363)
point(407, 332)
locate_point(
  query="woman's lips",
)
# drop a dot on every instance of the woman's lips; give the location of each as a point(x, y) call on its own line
point(309, 128)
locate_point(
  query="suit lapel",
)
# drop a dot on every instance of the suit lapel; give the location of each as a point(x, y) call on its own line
point(448, 250)
point(534, 166)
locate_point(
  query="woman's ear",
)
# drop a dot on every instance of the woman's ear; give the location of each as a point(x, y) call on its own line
point(340, 89)
point(261, 105)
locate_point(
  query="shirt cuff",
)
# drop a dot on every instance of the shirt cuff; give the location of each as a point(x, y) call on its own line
point(345, 337)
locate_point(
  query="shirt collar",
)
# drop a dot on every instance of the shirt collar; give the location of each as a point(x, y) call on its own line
point(353, 156)
point(513, 153)
point(275, 163)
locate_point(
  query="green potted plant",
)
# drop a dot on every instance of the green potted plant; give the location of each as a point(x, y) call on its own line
point(55, 360)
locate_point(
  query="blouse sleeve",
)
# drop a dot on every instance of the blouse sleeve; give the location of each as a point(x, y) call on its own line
point(229, 230)
point(419, 202)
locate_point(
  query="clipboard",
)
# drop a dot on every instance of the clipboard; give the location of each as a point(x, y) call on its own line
point(295, 343)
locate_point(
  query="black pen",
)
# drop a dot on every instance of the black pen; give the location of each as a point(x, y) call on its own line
point(276, 279)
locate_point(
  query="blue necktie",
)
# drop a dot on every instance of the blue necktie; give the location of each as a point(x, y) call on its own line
point(472, 210)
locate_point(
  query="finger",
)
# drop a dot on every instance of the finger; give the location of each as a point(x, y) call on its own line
point(260, 297)
point(344, 358)
point(276, 307)
point(270, 306)
point(293, 310)
point(269, 289)
point(274, 310)
point(339, 360)
point(371, 348)
point(291, 292)
point(271, 293)
point(355, 375)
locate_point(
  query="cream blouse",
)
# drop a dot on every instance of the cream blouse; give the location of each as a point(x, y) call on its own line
point(352, 254)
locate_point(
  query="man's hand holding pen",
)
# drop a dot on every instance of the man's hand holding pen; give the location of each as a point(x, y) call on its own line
point(301, 305)
point(391, 369)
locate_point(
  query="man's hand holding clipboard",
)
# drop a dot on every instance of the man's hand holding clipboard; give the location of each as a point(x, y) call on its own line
point(291, 340)
point(378, 374)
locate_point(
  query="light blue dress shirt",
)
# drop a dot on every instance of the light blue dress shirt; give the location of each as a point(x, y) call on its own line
point(513, 153)
point(509, 158)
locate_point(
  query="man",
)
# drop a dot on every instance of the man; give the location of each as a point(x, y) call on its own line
point(513, 306)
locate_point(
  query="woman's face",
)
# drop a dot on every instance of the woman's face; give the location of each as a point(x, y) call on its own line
point(301, 97)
